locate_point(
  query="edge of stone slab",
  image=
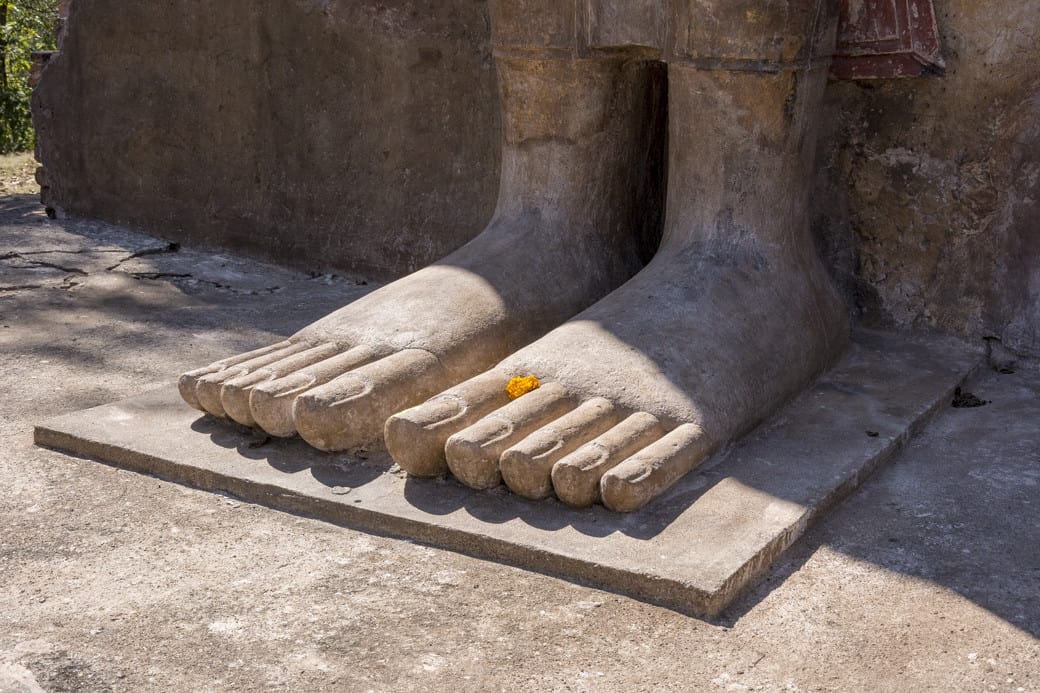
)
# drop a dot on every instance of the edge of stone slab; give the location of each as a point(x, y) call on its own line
point(666, 592)
point(755, 568)
point(668, 588)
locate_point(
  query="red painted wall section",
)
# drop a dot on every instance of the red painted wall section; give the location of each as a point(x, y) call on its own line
point(884, 39)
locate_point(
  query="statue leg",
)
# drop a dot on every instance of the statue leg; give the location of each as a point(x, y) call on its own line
point(733, 316)
point(566, 232)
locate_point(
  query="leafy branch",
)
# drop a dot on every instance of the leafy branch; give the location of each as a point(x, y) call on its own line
point(25, 26)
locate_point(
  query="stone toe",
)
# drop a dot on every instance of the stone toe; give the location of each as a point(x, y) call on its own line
point(473, 453)
point(651, 471)
point(350, 411)
point(527, 466)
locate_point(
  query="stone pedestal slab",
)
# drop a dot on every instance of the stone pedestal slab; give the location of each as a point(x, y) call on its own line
point(692, 549)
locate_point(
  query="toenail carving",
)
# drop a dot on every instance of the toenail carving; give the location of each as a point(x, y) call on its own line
point(271, 403)
point(474, 452)
point(527, 466)
point(235, 393)
point(208, 387)
point(416, 437)
point(651, 471)
point(188, 382)
point(576, 477)
point(351, 409)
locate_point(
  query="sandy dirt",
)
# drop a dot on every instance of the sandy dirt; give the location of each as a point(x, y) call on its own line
point(927, 579)
point(18, 174)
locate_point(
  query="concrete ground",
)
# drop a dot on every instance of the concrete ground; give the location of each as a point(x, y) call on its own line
point(927, 578)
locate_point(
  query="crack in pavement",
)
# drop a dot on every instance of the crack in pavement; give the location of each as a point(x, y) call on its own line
point(158, 275)
point(53, 265)
point(168, 248)
point(82, 251)
point(68, 283)
point(267, 291)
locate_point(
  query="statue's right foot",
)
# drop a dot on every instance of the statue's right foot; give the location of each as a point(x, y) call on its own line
point(567, 231)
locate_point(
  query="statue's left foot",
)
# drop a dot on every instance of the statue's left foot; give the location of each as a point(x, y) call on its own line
point(734, 316)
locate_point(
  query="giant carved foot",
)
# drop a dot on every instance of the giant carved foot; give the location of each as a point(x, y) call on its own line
point(575, 155)
point(637, 390)
point(734, 316)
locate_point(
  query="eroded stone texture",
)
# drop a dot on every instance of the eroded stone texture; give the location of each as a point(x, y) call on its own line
point(354, 135)
point(733, 316)
point(928, 190)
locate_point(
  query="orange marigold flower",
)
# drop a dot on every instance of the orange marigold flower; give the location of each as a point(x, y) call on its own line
point(521, 385)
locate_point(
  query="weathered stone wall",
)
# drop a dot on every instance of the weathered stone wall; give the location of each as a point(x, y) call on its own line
point(928, 201)
point(351, 134)
point(363, 135)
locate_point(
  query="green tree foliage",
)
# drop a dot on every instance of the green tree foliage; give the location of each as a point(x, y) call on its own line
point(25, 26)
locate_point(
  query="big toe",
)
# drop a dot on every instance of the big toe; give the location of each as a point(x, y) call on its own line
point(415, 437)
point(350, 411)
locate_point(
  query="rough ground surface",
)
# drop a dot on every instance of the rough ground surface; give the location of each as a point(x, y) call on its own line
point(928, 578)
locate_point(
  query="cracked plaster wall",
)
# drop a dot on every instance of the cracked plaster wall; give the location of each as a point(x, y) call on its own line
point(240, 125)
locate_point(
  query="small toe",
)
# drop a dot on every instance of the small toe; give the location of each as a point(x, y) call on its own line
point(651, 471)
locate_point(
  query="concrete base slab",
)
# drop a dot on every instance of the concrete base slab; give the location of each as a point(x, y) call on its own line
point(692, 550)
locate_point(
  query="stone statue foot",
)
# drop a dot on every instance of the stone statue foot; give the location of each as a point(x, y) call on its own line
point(575, 162)
point(734, 316)
point(637, 390)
